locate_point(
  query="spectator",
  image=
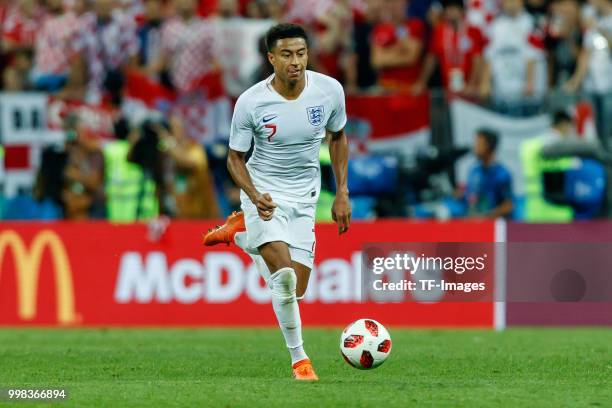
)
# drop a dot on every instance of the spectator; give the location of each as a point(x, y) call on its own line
point(256, 10)
point(49, 183)
point(188, 48)
point(21, 24)
point(19, 30)
point(15, 76)
point(329, 22)
point(594, 70)
point(131, 192)
point(359, 72)
point(562, 128)
point(147, 152)
point(456, 47)
point(55, 47)
point(333, 39)
point(481, 13)
point(562, 143)
point(562, 140)
point(397, 47)
point(83, 194)
point(109, 45)
point(538, 206)
point(489, 184)
point(189, 54)
point(515, 68)
point(193, 187)
point(75, 88)
point(563, 40)
point(4, 9)
point(45, 202)
point(149, 35)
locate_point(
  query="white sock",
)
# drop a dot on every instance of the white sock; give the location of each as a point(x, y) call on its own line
point(297, 354)
point(283, 283)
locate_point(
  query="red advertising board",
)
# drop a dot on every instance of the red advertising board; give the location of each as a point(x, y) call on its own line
point(547, 313)
point(100, 274)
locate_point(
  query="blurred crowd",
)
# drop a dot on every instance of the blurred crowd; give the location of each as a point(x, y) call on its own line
point(506, 53)
point(510, 51)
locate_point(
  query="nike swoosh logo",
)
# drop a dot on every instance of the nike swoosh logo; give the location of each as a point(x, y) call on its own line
point(268, 118)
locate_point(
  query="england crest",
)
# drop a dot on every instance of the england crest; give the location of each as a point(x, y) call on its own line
point(315, 115)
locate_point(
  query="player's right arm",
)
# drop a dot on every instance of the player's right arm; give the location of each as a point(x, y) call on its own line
point(241, 137)
point(239, 172)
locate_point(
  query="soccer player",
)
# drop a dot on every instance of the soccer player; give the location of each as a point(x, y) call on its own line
point(287, 116)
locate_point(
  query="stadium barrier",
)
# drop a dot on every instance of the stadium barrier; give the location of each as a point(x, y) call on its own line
point(560, 313)
point(100, 274)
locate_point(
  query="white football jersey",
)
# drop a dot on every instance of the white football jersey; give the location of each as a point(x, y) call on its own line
point(287, 135)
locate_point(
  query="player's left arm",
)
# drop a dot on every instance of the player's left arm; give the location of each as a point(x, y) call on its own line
point(339, 152)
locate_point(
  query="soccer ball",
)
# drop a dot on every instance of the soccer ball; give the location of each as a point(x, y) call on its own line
point(365, 344)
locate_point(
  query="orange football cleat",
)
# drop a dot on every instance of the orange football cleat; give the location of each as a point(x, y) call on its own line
point(303, 371)
point(224, 234)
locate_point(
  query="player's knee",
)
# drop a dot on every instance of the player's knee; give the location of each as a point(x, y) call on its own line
point(283, 283)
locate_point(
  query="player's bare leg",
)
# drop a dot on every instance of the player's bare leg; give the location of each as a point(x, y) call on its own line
point(283, 283)
point(302, 272)
point(303, 275)
point(288, 284)
point(276, 254)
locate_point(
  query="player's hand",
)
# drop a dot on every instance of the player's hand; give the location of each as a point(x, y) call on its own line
point(341, 212)
point(265, 206)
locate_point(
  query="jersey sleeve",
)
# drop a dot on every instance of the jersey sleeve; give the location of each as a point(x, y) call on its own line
point(337, 119)
point(241, 132)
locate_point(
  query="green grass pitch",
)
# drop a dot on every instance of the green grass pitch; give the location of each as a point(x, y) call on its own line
point(250, 368)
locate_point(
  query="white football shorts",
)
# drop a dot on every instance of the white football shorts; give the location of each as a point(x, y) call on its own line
point(292, 223)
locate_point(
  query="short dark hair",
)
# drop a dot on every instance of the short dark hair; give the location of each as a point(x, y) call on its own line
point(286, 30)
point(490, 136)
point(560, 117)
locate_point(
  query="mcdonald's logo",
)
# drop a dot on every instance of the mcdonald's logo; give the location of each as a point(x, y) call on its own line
point(27, 268)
